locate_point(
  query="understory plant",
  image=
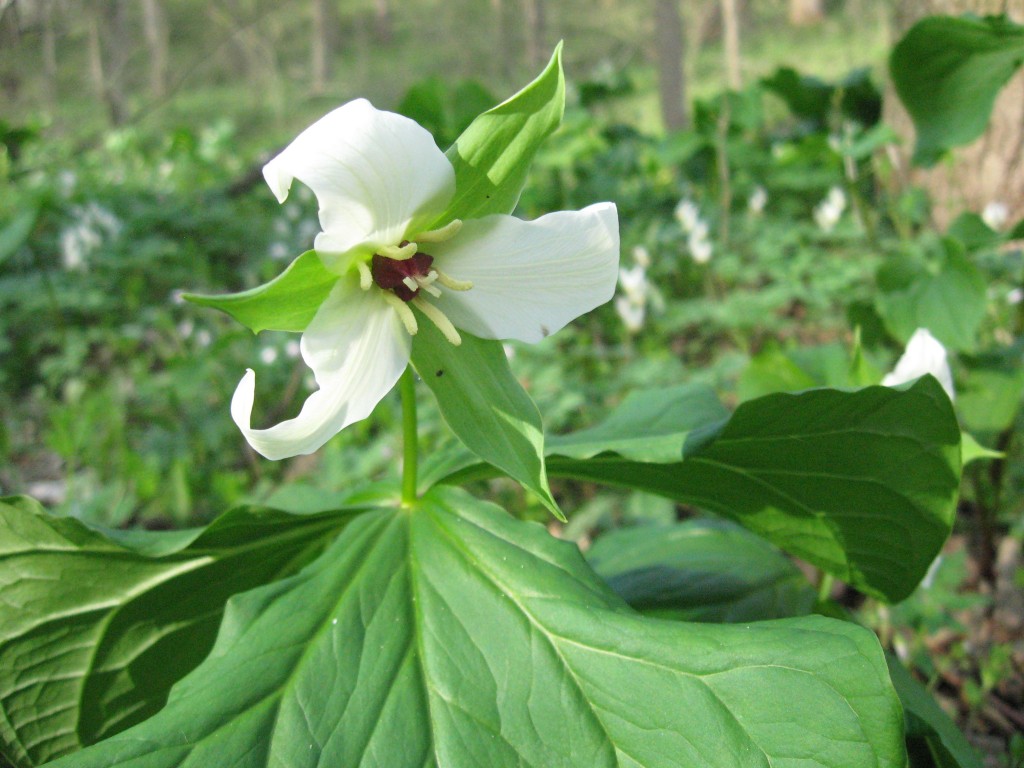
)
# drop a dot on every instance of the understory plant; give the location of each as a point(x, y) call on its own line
point(418, 624)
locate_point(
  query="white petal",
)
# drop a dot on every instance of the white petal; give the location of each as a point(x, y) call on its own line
point(357, 348)
point(924, 354)
point(530, 278)
point(378, 177)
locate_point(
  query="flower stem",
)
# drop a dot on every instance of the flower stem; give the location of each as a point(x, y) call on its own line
point(410, 457)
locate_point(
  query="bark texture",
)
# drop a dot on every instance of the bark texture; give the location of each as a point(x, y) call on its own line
point(668, 23)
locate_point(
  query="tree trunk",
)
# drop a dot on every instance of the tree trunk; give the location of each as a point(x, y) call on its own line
point(105, 78)
point(501, 59)
point(805, 13)
point(155, 26)
point(669, 51)
point(731, 44)
point(383, 27)
point(991, 169)
point(536, 49)
point(50, 54)
point(319, 49)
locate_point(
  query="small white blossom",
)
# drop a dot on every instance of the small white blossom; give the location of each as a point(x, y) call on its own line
point(291, 348)
point(1014, 296)
point(699, 245)
point(828, 212)
point(687, 214)
point(203, 337)
point(924, 355)
point(268, 355)
point(631, 312)
point(758, 200)
point(633, 282)
point(995, 215)
point(185, 328)
point(641, 256)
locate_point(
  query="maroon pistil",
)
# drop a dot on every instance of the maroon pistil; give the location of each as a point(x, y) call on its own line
point(389, 273)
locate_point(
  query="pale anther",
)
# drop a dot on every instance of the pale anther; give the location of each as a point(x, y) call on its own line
point(365, 276)
point(399, 253)
point(438, 318)
point(451, 283)
point(447, 232)
point(404, 313)
point(410, 283)
point(431, 289)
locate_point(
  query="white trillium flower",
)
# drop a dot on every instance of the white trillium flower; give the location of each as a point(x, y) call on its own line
point(924, 354)
point(382, 185)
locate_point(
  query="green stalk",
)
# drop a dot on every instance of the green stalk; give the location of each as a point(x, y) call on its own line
point(410, 457)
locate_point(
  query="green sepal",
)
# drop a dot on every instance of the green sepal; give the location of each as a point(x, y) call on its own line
point(485, 405)
point(493, 155)
point(287, 303)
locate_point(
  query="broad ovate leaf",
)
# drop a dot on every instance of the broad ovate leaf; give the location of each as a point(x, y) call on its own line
point(95, 629)
point(701, 570)
point(454, 635)
point(861, 484)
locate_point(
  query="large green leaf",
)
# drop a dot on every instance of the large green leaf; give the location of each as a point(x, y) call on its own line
point(286, 303)
point(492, 157)
point(94, 631)
point(862, 484)
point(485, 405)
point(949, 300)
point(701, 570)
point(649, 425)
point(948, 72)
point(453, 635)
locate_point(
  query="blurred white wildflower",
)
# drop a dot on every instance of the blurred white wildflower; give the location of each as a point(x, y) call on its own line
point(995, 214)
point(687, 214)
point(177, 296)
point(828, 212)
point(291, 348)
point(279, 251)
point(641, 256)
point(268, 355)
point(1014, 296)
point(203, 337)
point(924, 354)
point(631, 313)
point(631, 304)
point(698, 243)
point(758, 200)
point(92, 226)
point(185, 328)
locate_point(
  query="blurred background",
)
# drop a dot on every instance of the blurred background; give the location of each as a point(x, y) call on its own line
point(769, 222)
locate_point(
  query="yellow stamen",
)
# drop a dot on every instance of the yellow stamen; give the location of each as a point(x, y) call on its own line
point(447, 232)
point(451, 283)
point(365, 276)
point(437, 317)
point(397, 253)
point(404, 313)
